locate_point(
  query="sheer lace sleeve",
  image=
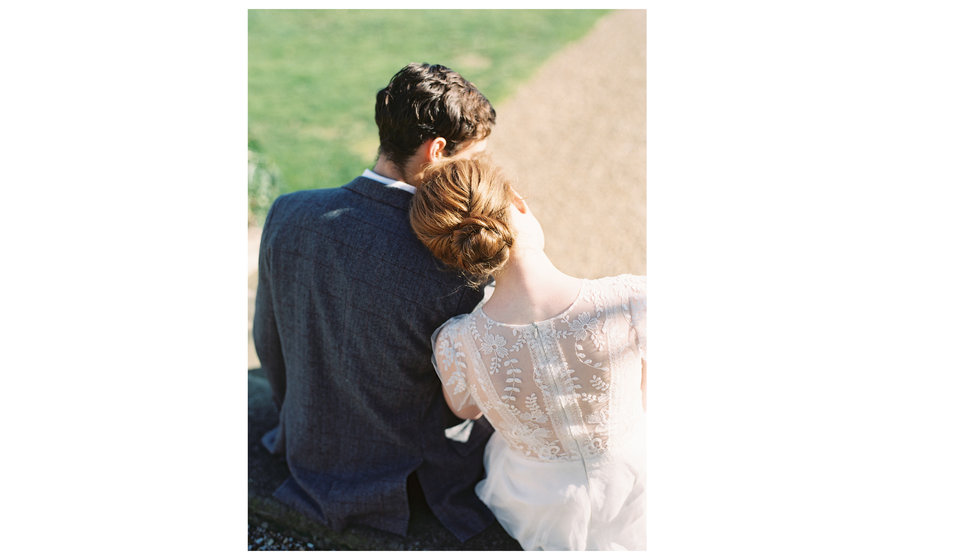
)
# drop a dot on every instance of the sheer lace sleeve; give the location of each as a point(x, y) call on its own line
point(450, 365)
point(638, 311)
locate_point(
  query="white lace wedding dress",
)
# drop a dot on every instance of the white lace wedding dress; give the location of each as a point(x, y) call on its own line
point(566, 467)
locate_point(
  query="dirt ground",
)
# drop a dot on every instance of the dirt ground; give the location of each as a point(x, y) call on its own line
point(574, 140)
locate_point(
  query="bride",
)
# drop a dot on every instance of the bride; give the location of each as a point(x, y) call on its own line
point(555, 363)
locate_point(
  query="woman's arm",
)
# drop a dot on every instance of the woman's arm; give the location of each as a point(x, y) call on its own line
point(449, 364)
point(468, 412)
point(643, 384)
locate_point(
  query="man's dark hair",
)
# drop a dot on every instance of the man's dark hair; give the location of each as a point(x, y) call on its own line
point(423, 101)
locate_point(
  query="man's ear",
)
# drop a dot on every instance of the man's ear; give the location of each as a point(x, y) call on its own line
point(435, 149)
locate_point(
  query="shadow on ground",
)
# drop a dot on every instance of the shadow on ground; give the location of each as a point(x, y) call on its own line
point(266, 472)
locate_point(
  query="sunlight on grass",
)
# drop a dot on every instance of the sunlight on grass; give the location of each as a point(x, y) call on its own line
point(313, 75)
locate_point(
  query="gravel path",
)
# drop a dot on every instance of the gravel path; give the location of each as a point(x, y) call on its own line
point(574, 139)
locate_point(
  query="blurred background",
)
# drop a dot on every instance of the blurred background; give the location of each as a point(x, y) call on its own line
point(569, 87)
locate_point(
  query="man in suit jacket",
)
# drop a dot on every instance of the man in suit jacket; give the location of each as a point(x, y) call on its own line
point(346, 303)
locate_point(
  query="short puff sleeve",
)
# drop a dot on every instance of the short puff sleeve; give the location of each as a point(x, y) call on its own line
point(638, 311)
point(450, 364)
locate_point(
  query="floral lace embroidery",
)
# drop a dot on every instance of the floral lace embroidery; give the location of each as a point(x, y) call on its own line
point(449, 353)
point(545, 406)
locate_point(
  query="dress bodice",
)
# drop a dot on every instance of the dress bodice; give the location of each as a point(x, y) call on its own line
point(566, 388)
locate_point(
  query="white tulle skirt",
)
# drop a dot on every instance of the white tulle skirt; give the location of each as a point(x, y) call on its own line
point(567, 505)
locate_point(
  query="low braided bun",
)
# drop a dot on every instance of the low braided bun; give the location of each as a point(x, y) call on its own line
point(481, 245)
point(460, 213)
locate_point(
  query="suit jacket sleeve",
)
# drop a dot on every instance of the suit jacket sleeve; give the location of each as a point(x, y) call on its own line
point(264, 330)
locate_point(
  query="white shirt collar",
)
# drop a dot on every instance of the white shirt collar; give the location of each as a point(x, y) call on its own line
point(388, 182)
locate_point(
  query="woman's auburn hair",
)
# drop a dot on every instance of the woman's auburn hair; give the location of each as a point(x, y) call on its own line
point(460, 213)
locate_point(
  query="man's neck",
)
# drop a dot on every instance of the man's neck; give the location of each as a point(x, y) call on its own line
point(386, 168)
point(409, 173)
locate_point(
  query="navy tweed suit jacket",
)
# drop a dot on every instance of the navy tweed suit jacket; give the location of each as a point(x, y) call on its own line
point(346, 303)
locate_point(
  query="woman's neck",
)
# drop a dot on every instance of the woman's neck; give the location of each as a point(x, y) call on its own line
point(530, 288)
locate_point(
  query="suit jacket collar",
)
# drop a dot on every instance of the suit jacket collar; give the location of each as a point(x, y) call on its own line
point(377, 191)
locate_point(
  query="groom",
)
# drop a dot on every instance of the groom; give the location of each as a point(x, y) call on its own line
point(346, 303)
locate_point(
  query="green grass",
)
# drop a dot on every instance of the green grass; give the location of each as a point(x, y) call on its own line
point(313, 75)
